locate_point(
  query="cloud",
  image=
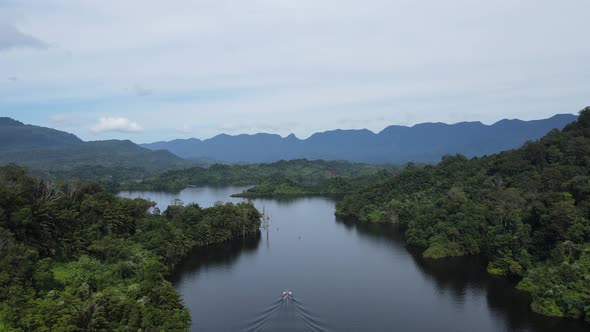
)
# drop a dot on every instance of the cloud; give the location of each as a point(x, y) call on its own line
point(13, 78)
point(300, 66)
point(11, 37)
point(67, 120)
point(257, 127)
point(112, 124)
point(139, 90)
point(142, 91)
point(185, 129)
point(58, 118)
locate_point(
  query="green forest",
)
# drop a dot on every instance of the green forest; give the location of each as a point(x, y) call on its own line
point(293, 177)
point(55, 154)
point(526, 210)
point(77, 258)
point(285, 187)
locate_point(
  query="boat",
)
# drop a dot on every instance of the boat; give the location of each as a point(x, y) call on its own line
point(287, 294)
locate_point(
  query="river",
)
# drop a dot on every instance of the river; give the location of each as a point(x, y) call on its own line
point(345, 276)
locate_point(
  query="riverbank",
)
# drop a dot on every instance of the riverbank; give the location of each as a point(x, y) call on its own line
point(315, 255)
point(280, 195)
point(75, 257)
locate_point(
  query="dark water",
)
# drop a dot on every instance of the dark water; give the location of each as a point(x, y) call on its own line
point(344, 276)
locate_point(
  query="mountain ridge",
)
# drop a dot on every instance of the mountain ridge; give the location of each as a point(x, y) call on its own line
point(50, 151)
point(423, 142)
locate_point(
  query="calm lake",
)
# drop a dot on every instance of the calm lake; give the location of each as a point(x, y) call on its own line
point(344, 276)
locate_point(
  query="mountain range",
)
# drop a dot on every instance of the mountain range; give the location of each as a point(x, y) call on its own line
point(425, 142)
point(46, 150)
point(57, 153)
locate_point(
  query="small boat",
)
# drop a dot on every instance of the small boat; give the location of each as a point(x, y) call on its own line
point(287, 294)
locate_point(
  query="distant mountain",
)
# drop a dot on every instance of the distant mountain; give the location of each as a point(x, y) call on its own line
point(15, 135)
point(426, 142)
point(47, 150)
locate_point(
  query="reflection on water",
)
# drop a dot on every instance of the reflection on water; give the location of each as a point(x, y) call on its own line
point(346, 276)
point(204, 196)
point(459, 275)
point(215, 256)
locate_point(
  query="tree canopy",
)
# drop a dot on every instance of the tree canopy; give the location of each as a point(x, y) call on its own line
point(299, 176)
point(527, 210)
point(76, 258)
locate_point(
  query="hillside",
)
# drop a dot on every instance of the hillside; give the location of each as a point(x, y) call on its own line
point(526, 210)
point(77, 258)
point(272, 179)
point(57, 153)
point(16, 136)
point(426, 142)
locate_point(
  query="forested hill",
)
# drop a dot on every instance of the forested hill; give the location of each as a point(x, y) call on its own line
point(77, 258)
point(15, 135)
point(426, 142)
point(284, 177)
point(54, 152)
point(526, 210)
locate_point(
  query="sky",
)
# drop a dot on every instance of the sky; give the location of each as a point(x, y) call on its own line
point(158, 70)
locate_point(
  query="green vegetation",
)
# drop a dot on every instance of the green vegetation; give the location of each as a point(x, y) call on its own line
point(108, 154)
point(279, 185)
point(76, 258)
point(526, 210)
point(294, 177)
point(285, 187)
point(54, 154)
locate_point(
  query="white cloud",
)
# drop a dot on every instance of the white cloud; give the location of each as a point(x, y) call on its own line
point(142, 91)
point(185, 129)
point(65, 120)
point(306, 62)
point(69, 120)
point(110, 124)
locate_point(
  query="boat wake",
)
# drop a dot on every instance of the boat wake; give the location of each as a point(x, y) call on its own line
point(286, 314)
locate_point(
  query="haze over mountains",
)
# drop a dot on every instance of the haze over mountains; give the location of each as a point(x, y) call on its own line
point(426, 142)
point(49, 150)
point(58, 153)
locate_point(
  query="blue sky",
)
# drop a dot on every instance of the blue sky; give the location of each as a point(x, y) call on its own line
point(152, 70)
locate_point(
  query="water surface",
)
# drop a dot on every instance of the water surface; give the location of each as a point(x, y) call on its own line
point(345, 276)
